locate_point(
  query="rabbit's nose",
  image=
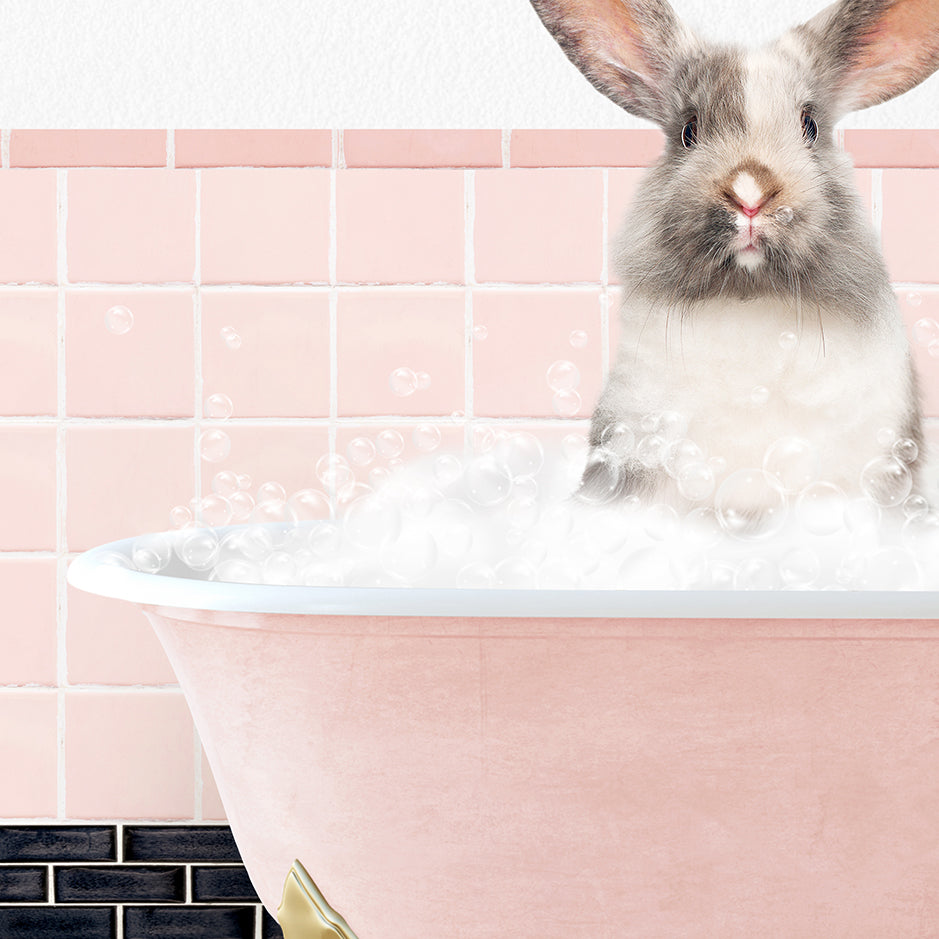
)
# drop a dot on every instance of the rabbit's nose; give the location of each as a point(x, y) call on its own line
point(749, 187)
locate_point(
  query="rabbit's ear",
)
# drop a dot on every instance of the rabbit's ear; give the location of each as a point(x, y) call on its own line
point(877, 49)
point(625, 47)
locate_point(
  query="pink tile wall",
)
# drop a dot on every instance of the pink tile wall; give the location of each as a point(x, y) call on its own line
point(336, 257)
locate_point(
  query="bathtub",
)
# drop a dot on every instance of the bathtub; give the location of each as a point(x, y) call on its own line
point(474, 764)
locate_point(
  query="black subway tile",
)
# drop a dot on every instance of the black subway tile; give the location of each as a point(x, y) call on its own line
point(199, 843)
point(222, 883)
point(119, 884)
point(188, 922)
point(57, 843)
point(270, 928)
point(23, 885)
point(26, 922)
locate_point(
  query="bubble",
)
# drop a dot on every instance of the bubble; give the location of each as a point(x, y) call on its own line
point(180, 516)
point(379, 475)
point(198, 549)
point(244, 481)
point(253, 543)
point(457, 415)
point(660, 522)
point(557, 520)
point(360, 451)
point(476, 576)
point(886, 481)
point(214, 510)
point(119, 320)
point(784, 215)
point(484, 439)
point(578, 338)
point(791, 463)
point(916, 507)
point(426, 437)
point(151, 553)
point(371, 522)
point(325, 539)
point(225, 483)
point(279, 567)
point(650, 568)
point(921, 533)
point(861, 516)
point(563, 376)
point(914, 299)
point(447, 469)
point(214, 445)
point(799, 567)
point(242, 505)
point(759, 395)
point(271, 492)
point(788, 341)
point(334, 472)
point(556, 575)
point(310, 505)
point(933, 349)
point(348, 494)
point(412, 556)
point(601, 477)
point(453, 523)
point(480, 333)
point(925, 331)
point(403, 382)
point(218, 407)
point(749, 505)
point(322, 575)
point(756, 574)
point(651, 451)
point(230, 337)
point(522, 513)
point(516, 573)
point(487, 481)
point(521, 454)
point(618, 438)
point(273, 510)
point(891, 568)
point(696, 481)
point(566, 403)
point(905, 450)
point(423, 381)
point(820, 508)
point(420, 499)
point(237, 571)
point(574, 447)
point(671, 425)
point(681, 453)
point(390, 443)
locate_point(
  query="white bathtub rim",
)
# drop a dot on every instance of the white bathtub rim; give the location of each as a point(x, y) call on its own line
point(92, 573)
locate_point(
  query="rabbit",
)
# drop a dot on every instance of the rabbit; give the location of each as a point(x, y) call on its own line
point(759, 331)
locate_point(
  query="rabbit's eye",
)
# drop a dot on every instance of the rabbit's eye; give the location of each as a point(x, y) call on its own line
point(809, 127)
point(689, 133)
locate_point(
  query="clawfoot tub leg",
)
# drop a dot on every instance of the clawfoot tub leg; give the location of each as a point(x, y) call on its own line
point(304, 913)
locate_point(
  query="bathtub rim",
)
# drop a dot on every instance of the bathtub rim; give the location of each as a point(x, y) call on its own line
point(91, 573)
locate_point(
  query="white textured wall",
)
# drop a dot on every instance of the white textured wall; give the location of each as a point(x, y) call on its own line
point(309, 63)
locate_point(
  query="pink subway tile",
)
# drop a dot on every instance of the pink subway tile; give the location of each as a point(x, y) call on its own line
point(124, 479)
point(27, 481)
point(622, 186)
point(539, 225)
point(285, 455)
point(585, 147)
point(922, 307)
point(28, 352)
point(253, 147)
point(265, 226)
point(28, 782)
point(110, 642)
point(212, 808)
point(28, 226)
point(508, 382)
point(131, 225)
point(910, 207)
point(893, 148)
point(380, 332)
point(416, 148)
point(28, 624)
point(146, 371)
point(281, 368)
point(128, 755)
point(88, 148)
point(399, 226)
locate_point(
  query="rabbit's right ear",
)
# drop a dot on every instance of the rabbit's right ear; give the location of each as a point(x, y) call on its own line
point(625, 47)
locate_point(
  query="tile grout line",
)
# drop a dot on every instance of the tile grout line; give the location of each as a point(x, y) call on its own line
point(170, 149)
point(469, 275)
point(877, 202)
point(198, 378)
point(506, 149)
point(5, 149)
point(605, 279)
point(338, 159)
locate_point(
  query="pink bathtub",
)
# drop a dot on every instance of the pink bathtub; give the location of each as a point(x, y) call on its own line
point(460, 764)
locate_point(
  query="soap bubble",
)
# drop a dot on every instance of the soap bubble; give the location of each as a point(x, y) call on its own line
point(679, 454)
point(650, 568)
point(412, 556)
point(799, 567)
point(484, 439)
point(236, 571)
point(426, 437)
point(453, 521)
point(198, 549)
point(651, 450)
point(476, 575)
point(319, 574)
point(791, 463)
point(273, 510)
point(151, 553)
point(225, 483)
point(403, 382)
point(520, 453)
point(447, 469)
point(749, 505)
point(390, 443)
point(891, 568)
point(310, 505)
point(756, 574)
point(784, 215)
point(253, 543)
point(271, 492)
point(325, 540)
point(371, 522)
point(660, 522)
point(925, 331)
point(886, 481)
point(214, 445)
point(487, 481)
point(423, 381)
point(230, 337)
point(516, 573)
point(480, 332)
point(820, 508)
point(334, 472)
point(915, 507)
point(566, 403)
point(218, 407)
point(119, 320)
point(522, 513)
point(905, 450)
point(361, 451)
point(933, 349)
point(244, 480)
point(563, 376)
point(279, 568)
point(180, 516)
point(886, 436)
point(242, 505)
point(759, 395)
point(578, 338)
point(914, 299)
point(214, 510)
point(602, 477)
point(618, 438)
point(862, 516)
point(696, 481)
point(788, 340)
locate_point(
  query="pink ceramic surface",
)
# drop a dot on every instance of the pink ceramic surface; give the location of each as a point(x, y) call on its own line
point(482, 778)
point(28, 484)
point(538, 225)
point(128, 755)
point(911, 206)
point(411, 148)
point(28, 781)
point(88, 148)
point(266, 226)
point(212, 808)
point(251, 148)
point(144, 372)
point(28, 352)
point(131, 225)
point(509, 384)
point(585, 147)
point(881, 148)
point(922, 307)
point(282, 366)
point(381, 331)
point(28, 226)
point(109, 642)
point(123, 479)
point(28, 624)
point(399, 226)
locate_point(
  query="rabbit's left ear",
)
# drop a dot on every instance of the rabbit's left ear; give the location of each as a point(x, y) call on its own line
point(877, 49)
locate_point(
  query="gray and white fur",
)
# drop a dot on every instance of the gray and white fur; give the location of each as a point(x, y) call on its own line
point(757, 305)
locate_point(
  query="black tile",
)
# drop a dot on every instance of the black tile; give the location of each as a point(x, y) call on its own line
point(29, 922)
point(23, 885)
point(188, 922)
point(222, 883)
point(270, 928)
point(57, 843)
point(119, 884)
point(205, 843)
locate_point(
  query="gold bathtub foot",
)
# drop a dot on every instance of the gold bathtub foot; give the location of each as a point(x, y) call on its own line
point(304, 913)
